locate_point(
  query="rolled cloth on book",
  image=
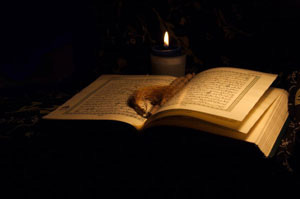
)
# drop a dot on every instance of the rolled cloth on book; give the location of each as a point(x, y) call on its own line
point(147, 100)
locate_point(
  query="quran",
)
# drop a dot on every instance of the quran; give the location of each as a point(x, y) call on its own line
point(231, 102)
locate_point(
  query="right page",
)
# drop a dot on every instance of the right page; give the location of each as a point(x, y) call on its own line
point(224, 92)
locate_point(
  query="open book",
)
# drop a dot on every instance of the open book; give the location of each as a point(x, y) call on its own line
point(231, 102)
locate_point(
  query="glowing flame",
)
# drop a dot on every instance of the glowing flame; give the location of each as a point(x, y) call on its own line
point(166, 39)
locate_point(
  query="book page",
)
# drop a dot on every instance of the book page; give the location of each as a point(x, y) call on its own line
point(245, 126)
point(226, 92)
point(106, 99)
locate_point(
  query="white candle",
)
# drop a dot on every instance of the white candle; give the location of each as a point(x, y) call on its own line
point(167, 60)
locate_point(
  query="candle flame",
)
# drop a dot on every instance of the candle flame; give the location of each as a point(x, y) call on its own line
point(166, 39)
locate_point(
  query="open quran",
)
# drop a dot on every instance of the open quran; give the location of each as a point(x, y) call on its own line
point(231, 102)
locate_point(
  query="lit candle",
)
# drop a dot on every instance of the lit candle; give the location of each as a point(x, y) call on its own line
point(167, 59)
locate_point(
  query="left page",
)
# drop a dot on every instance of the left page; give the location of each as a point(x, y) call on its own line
point(106, 99)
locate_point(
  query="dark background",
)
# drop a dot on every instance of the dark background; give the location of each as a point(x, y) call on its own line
point(52, 40)
point(50, 50)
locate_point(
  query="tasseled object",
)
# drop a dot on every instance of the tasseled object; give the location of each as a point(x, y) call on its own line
point(145, 101)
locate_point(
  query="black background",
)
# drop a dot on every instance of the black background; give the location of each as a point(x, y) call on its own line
point(52, 40)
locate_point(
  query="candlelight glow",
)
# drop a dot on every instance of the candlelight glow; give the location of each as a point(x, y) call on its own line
point(166, 39)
